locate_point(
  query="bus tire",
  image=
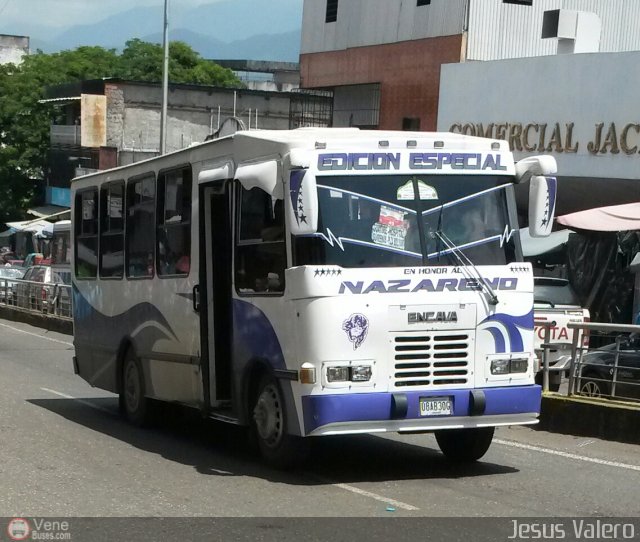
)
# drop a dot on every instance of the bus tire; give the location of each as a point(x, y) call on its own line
point(464, 445)
point(269, 426)
point(134, 405)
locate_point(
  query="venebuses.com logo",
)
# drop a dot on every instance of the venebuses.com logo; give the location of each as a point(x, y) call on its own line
point(18, 529)
point(38, 529)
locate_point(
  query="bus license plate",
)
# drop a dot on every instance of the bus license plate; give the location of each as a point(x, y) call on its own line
point(436, 406)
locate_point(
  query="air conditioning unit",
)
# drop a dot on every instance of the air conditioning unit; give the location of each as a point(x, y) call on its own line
point(576, 31)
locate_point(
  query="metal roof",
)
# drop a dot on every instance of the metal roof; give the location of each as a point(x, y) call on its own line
point(68, 99)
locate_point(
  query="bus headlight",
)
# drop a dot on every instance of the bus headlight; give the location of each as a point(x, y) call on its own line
point(361, 373)
point(349, 373)
point(500, 367)
point(338, 374)
point(509, 366)
point(519, 365)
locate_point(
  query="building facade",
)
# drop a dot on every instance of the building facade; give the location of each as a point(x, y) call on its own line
point(107, 123)
point(13, 48)
point(382, 58)
point(580, 108)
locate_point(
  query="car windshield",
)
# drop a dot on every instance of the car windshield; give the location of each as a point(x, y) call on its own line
point(11, 273)
point(402, 220)
point(553, 291)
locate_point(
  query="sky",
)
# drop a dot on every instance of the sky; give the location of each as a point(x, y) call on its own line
point(63, 13)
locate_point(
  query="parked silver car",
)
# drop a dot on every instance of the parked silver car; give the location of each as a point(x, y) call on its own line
point(37, 290)
point(7, 286)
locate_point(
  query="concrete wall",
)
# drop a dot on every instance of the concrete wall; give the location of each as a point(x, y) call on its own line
point(133, 116)
point(13, 48)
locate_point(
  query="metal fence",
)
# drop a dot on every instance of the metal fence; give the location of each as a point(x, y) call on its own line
point(53, 299)
point(608, 369)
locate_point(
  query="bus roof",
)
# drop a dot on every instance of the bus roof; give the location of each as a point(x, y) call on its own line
point(251, 144)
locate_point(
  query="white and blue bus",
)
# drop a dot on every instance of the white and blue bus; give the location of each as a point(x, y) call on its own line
point(315, 282)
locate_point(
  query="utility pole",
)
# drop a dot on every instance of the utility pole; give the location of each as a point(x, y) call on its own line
point(165, 81)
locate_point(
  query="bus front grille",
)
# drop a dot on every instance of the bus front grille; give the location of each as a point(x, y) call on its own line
point(431, 360)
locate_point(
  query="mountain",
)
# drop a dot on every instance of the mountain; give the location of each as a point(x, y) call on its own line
point(249, 29)
point(278, 47)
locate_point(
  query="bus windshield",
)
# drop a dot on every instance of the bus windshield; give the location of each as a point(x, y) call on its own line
point(410, 220)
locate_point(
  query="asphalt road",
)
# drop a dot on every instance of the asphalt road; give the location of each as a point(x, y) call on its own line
point(64, 451)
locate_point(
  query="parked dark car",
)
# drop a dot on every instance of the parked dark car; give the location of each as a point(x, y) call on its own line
point(598, 367)
point(7, 275)
point(38, 291)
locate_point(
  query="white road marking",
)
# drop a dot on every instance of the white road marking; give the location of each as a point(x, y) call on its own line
point(83, 401)
point(37, 335)
point(568, 455)
point(368, 494)
point(220, 471)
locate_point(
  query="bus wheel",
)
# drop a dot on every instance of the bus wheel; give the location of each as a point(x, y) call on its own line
point(135, 407)
point(464, 445)
point(269, 427)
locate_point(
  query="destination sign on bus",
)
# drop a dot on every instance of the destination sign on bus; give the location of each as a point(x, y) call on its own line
point(363, 161)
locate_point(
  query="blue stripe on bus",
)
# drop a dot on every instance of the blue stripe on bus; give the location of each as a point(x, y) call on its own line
point(322, 410)
point(254, 336)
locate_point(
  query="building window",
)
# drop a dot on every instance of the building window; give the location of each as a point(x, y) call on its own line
point(174, 222)
point(260, 250)
point(423, 2)
point(86, 234)
point(112, 230)
point(332, 11)
point(411, 124)
point(140, 227)
point(519, 2)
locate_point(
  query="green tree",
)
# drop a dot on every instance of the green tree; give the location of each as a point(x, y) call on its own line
point(24, 120)
point(142, 61)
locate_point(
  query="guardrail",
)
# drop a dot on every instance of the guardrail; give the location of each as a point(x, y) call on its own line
point(53, 299)
point(611, 371)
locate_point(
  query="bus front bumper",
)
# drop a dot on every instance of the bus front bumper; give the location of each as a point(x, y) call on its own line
point(400, 411)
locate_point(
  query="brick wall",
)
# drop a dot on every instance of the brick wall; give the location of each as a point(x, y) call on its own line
point(408, 73)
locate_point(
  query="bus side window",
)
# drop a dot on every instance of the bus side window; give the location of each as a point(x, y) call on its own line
point(112, 230)
point(174, 222)
point(86, 234)
point(260, 247)
point(140, 227)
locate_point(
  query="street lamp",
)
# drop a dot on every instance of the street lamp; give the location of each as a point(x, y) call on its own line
point(165, 80)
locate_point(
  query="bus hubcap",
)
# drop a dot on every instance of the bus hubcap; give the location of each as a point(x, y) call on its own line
point(268, 415)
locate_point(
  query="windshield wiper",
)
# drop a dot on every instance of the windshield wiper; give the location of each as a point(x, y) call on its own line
point(461, 257)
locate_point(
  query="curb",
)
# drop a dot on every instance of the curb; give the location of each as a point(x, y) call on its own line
point(50, 323)
point(598, 418)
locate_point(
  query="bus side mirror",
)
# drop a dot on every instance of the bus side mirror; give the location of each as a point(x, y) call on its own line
point(303, 197)
point(535, 165)
point(542, 205)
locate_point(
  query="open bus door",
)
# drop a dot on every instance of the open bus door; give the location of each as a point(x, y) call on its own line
point(215, 290)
